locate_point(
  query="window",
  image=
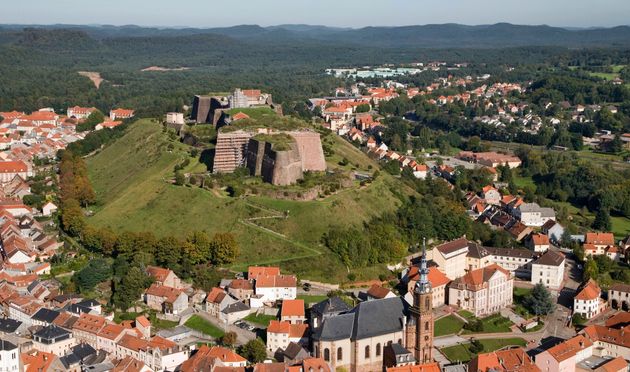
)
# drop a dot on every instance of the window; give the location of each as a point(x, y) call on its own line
point(378, 349)
point(339, 353)
point(367, 352)
point(327, 355)
point(426, 326)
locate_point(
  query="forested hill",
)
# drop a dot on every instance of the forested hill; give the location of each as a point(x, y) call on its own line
point(425, 36)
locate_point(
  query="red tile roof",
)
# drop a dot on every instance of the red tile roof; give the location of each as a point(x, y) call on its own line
point(599, 238)
point(292, 308)
point(569, 348)
point(589, 291)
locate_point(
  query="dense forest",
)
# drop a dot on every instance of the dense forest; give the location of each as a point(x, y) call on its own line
point(39, 67)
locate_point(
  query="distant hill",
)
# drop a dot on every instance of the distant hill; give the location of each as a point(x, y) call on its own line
point(425, 36)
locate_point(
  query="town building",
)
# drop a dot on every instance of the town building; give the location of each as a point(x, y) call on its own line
point(554, 231)
point(548, 269)
point(517, 261)
point(588, 301)
point(281, 333)
point(532, 214)
point(505, 360)
point(53, 339)
point(451, 257)
point(292, 311)
point(538, 243)
point(166, 299)
point(596, 243)
point(323, 310)
point(120, 114)
point(438, 282)
point(80, 113)
point(483, 291)
point(9, 356)
point(565, 356)
point(619, 296)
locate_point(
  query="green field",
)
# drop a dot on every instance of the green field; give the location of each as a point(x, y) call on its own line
point(493, 324)
point(311, 299)
point(461, 353)
point(519, 296)
point(447, 326)
point(260, 319)
point(466, 314)
point(254, 113)
point(132, 180)
point(200, 324)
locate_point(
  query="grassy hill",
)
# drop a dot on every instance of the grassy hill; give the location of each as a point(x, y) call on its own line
point(132, 181)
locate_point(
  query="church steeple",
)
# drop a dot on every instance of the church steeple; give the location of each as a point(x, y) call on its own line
point(420, 331)
point(423, 285)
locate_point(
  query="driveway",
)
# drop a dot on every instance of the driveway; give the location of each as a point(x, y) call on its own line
point(242, 335)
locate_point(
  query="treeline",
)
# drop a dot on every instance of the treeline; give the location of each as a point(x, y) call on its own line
point(564, 177)
point(438, 213)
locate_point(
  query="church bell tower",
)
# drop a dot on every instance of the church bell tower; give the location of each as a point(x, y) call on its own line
point(422, 314)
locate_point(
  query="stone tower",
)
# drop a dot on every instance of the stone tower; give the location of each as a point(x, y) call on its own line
point(422, 315)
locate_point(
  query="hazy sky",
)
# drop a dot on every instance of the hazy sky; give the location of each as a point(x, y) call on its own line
point(346, 13)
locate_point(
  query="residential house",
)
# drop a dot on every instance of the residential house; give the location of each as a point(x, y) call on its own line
point(241, 289)
point(164, 277)
point(588, 301)
point(158, 353)
point(213, 359)
point(216, 300)
point(608, 342)
point(554, 230)
point(9, 356)
point(538, 242)
point(87, 327)
point(491, 195)
point(40, 361)
point(166, 299)
point(293, 311)
point(506, 360)
point(483, 291)
point(53, 339)
point(109, 335)
point(565, 356)
point(128, 364)
point(276, 287)
point(48, 209)
point(396, 358)
point(294, 353)
point(619, 296)
point(532, 214)
point(595, 243)
point(478, 256)
point(519, 230)
point(548, 269)
point(121, 114)
point(80, 113)
point(10, 169)
point(281, 333)
point(378, 292)
point(227, 357)
point(234, 311)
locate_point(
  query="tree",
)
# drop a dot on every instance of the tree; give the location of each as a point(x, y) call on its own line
point(168, 251)
point(223, 248)
point(229, 339)
point(540, 301)
point(130, 287)
point(602, 220)
point(72, 219)
point(578, 251)
point(591, 271)
point(180, 179)
point(96, 117)
point(96, 271)
point(254, 351)
point(196, 249)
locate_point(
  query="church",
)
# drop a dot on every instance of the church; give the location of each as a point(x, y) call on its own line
point(377, 333)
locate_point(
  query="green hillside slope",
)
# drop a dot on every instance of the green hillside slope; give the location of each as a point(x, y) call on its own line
point(132, 180)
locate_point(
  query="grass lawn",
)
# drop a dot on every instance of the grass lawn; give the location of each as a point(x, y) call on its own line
point(522, 182)
point(131, 179)
point(164, 324)
point(254, 113)
point(260, 319)
point(461, 353)
point(466, 314)
point(493, 324)
point(200, 324)
point(448, 325)
point(312, 299)
point(519, 296)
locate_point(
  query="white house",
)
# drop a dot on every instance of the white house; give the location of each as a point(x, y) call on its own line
point(451, 257)
point(588, 301)
point(532, 214)
point(48, 209)
point(9, 356)
point(553, 230)
point(281, 333)
point(548, 269)
point(483, 291)
point(276, 287)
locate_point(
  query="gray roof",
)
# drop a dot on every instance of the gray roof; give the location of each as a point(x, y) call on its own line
point(51, 332)
point(294, 350)
point(398, 349)
point(367, 319)
point(511, 252)
point(9, 325)
point(235, 308)
point(7, 346)
point(477, 251)
point(334, 305)
point(45, 315)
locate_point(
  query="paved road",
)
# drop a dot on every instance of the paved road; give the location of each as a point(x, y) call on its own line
point(242, 335)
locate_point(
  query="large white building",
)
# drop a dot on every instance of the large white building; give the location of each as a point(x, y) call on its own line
point(9, 356)
point(483, 291)
point(451, 257)
point(548, 269)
